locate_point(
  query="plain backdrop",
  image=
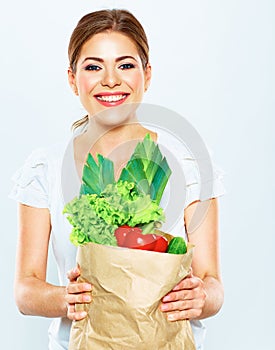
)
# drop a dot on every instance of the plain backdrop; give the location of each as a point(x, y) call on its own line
point(213, 62)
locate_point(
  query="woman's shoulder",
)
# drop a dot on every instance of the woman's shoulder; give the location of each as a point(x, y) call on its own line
point(41, 163)
point(192, 164)
point(170, 142)
point(50, 154)
point(35, 181)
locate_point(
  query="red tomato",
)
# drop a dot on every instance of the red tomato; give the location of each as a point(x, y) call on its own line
point(161, 244)
point(120, 237)
point(132, 237)
point(137, 240)
point(122, 232)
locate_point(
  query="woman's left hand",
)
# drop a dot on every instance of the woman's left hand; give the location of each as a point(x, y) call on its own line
point(186, 300)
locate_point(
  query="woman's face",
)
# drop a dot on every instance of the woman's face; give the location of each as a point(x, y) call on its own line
point(109, 73)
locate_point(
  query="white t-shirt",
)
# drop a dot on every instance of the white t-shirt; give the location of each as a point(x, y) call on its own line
point(48, 179)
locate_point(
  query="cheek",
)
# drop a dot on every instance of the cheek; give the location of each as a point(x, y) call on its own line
point(85, 83)
point(136, 81)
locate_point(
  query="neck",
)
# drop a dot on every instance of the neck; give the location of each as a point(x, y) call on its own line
point(115, 142)
point(102, 138)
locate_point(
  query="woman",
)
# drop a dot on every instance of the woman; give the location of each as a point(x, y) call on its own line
point(109, 67)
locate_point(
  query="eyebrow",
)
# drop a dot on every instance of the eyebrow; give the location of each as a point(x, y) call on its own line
point(98, 59)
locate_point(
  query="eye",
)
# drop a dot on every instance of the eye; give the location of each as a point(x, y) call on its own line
point(92, 67)
point(127, 66)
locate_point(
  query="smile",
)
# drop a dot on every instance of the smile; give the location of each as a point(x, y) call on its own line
point(111, 99)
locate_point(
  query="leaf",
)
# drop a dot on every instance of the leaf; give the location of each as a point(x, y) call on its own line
point(126, 176)
point(95, 176)
point(160, 180)
point(153, 165)
point(90, 179)
point(92, 164)
point(84, 189)
point(106, 172)
point(148, 168)
point(134, 173)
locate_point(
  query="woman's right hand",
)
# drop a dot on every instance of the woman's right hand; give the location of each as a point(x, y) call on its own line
point(76, 293)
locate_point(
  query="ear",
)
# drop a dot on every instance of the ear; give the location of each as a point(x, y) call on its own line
point(148, 75)
point(72, 82)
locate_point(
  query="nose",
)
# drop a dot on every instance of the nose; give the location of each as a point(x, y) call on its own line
point(111, 78)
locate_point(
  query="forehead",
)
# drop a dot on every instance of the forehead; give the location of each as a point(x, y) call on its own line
point(109, 44)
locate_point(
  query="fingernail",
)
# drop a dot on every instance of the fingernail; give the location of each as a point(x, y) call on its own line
point(87, 286)
point(170, 317)
point(87, 298)
point(166, 298)
point(83, 314)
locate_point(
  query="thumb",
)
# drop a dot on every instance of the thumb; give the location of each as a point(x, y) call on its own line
point(73, 274)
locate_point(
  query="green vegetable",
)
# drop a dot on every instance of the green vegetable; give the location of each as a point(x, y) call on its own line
point(177, 245)
point(119, 204)
point(95, 218)
point(95, 176)
point(87, 226)
point(104, 205)
point(148, 169)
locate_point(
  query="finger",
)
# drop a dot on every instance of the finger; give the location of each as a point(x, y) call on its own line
point(184, 315)
point(181, 305)
point(190, 274)
point(73, 274)
point(181, 295)
point(75, 315)
point(73, 287)
point(188, 283)
point(71, 311)
point(82, 298)
point(185, 294)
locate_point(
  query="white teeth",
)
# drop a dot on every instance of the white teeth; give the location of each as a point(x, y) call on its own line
point(111, 98)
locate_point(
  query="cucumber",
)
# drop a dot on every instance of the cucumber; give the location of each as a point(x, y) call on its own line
point(177, 245)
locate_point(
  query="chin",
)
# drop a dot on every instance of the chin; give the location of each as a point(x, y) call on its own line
point(116, 116)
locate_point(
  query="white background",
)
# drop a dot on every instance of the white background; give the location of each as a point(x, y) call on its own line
point(213, 62)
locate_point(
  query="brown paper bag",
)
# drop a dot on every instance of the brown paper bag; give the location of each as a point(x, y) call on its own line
point(128, 285)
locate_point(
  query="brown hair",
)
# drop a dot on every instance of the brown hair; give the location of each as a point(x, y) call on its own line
point(101, 21)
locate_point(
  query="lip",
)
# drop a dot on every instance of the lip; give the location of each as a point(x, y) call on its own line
point(111, 103)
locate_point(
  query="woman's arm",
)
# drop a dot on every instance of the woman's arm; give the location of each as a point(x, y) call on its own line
point(200, 294)
point(34, 296)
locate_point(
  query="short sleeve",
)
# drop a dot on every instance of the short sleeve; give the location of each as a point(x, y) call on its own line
point(204, 180)
point(194, 174)
point(30, 181)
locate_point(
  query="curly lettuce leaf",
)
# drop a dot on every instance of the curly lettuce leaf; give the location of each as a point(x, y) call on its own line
point(120, 204)
point(96, 217)
point(87, 225)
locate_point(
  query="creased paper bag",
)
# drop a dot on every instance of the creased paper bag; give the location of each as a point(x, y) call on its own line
point(128, 285)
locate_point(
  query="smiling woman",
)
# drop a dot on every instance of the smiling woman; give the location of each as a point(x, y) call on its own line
point(104, 22)
point(109, 70)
